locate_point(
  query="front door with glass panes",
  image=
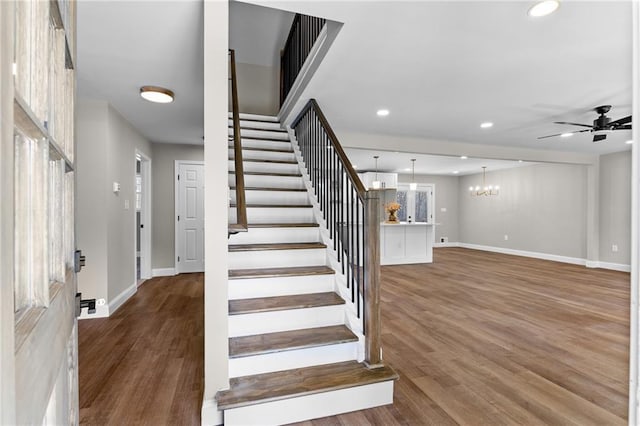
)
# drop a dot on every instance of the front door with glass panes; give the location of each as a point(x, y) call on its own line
point(415, 206)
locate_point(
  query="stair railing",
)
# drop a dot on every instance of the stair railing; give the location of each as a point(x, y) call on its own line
point(241, 204)
point(303, 34)
point(352, 216)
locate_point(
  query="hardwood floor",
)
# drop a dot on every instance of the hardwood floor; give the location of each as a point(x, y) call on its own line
point(484, 338)
point(144, 364)
point(477, 338)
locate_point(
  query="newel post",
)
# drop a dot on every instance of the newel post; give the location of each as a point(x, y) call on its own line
point(372, 355)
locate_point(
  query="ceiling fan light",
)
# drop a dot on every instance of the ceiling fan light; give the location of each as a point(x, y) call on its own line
point(543, 8)
point(156, 94)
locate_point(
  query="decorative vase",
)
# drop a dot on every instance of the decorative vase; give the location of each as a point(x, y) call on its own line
point(392, 217)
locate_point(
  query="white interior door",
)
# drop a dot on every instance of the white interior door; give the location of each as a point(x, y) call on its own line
point(189, 217)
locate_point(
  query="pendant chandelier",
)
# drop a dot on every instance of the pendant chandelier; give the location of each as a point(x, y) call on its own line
point(484, 189)
point(413, 185)
point(376, 183)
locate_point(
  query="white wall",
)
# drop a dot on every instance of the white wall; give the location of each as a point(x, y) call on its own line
point(615, 207)
point(216, 344)
point(258, 89)
point(105, 229)
point(163, 198)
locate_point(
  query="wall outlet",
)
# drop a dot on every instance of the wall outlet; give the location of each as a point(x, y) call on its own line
point(126, 204)
point(506, 237)
point(116, 187)
point(444, 239)
point(614, 248)
point(443, 209)
point(101, 302)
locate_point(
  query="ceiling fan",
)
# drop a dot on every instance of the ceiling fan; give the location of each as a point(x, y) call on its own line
point(601, 125)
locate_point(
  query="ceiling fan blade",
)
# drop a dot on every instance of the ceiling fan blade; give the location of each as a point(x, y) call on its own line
point(573, 124)
point(625, 127)
point(598, 138)
point(560, 134)
point(620, 121)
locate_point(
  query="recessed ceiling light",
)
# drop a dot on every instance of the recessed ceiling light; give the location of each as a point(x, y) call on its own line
point(543, 8)
point(408, 169)
point(156, 94)
point(455, 172)
point(486, 125)
point(520, 161)
point(382, 112)
point(566, 135)
point(629, 142)
point(354, 166)
point(463, 157)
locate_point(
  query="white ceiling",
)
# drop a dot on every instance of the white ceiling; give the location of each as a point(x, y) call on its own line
point(400, 162)
point(257, 34)
point(441, 67)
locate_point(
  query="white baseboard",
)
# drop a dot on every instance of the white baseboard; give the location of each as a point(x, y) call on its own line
point(122, 297)
point(545, 256)
point(163, 272)
point(210, 415)
point(101, 312)
point(436, 245)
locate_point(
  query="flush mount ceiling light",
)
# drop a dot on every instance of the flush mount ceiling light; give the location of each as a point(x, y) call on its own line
point(156, 94)
point(486, 125)
point(543, 8)
point(382, 112)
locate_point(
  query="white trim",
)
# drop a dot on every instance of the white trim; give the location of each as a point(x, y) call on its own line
point(145, 218)
point(101, 312)
point(210, 415)
point(449, 244)
point(533, 254)
point(164, 272)
point(122, 297)
point(176, 210)
point(614, 266)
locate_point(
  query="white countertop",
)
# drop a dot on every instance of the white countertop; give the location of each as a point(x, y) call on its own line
point(407, 224)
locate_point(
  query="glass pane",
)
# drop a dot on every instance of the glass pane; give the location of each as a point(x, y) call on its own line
point(422, 215)
point(401, 198)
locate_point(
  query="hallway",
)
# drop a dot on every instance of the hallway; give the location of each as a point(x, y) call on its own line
point(144, 364)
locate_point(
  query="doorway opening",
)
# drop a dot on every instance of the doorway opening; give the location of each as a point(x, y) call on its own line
point(143, 217)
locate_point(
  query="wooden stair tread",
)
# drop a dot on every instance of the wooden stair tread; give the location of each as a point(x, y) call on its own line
point(275, 246)
point(283, 303)
point(289, 340)
point(261, 388)
point(283, 225)
point(280, 272)
point(278, 206)
point(231, 172)
point(256, 188)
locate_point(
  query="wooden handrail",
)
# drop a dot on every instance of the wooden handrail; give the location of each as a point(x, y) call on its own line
point(241, 203)
point(352, 218)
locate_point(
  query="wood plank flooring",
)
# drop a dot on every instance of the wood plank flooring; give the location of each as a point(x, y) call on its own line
point(145, 364)
point(482, 338)
point(477, 338)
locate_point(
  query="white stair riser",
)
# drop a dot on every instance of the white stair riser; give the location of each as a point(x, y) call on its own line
point(288, 360)
point(259, 166)
point(257, 124)
point(262, 144)
point(244, 133)
point(276, 235)
point(247, 116)
point(273, 197)
point(313, 406)
point(280, 286)
point(249, 154)
point(293, 319)
point(277, 258)
point(293, 182)
point(275, 215)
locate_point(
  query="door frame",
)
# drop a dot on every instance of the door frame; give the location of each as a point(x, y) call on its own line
point(176, 190)
point(145, 217)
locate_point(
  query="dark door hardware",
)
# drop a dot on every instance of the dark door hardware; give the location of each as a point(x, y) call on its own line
point(79, 260)
point(84, 303)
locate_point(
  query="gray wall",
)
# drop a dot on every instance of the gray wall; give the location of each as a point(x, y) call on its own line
point(446, 196)
point(542, 208)
point(258, 89)
point(615, 207)
point(105, 229)
point(163, 198)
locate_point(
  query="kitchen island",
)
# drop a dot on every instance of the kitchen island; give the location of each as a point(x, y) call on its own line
point(404, 243)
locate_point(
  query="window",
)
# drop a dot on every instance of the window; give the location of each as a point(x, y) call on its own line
point(415, 206)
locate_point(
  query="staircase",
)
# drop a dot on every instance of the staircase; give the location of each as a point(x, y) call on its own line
point(294, 343)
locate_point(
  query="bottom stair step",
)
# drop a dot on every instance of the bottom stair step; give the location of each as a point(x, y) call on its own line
point(268, 387)
point(289, 340)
